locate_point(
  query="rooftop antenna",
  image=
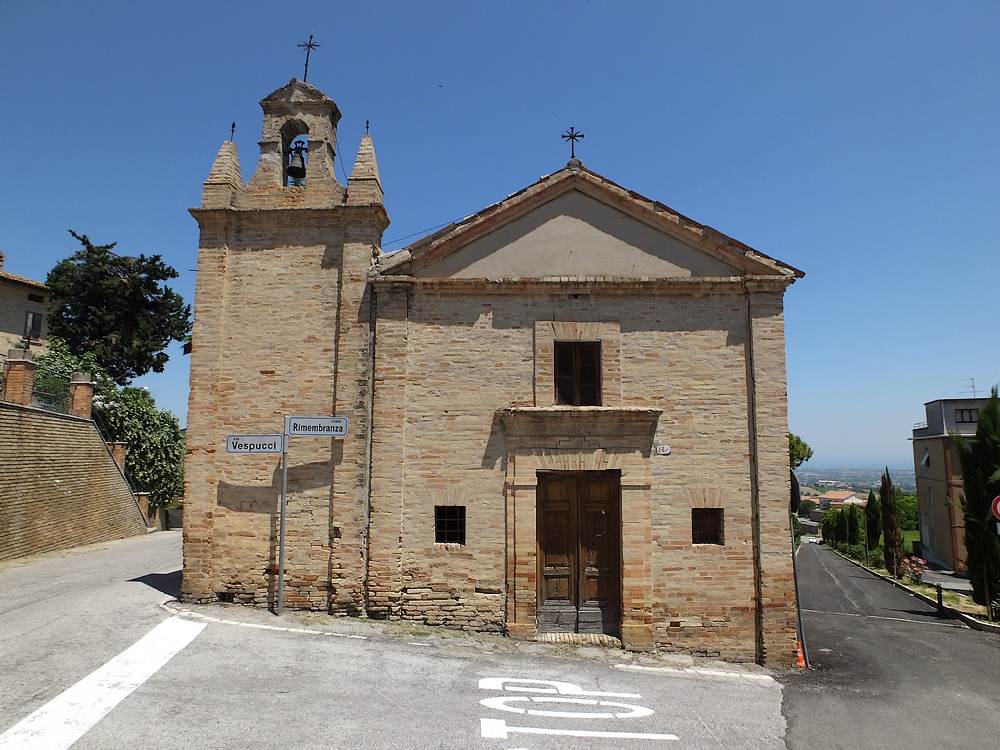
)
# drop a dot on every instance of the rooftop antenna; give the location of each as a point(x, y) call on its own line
point(232, 130)
point(972, 385)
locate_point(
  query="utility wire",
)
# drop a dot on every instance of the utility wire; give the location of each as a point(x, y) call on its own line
point(418, 232)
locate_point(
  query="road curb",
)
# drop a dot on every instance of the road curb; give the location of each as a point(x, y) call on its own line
point(171, 606)
point(972, 622)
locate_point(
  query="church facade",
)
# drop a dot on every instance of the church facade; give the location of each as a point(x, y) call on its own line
point(567, 411)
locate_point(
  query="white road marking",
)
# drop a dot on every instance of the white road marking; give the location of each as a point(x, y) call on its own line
point(549, 686)
point(499, 729)
point(631, 711)
point(257, 626)
point(414, 643)
point(884, 617)
point(699, 672)
point(72, 713)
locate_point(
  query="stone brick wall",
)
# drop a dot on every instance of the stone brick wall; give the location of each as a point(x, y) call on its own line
point(281, 327)
point(59, 486)
point(447, 362)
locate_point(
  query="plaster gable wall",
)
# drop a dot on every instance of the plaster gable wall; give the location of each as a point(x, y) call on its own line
point(575, 235)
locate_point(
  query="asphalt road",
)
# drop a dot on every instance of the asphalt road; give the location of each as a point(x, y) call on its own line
point(888, 673)
point(76, 667)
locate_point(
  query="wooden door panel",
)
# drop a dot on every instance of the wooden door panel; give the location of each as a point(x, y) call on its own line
point(599, 554)
point(557, 554)
point(579, 553)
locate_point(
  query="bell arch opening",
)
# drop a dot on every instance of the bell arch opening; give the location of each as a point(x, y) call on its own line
point(294, 152)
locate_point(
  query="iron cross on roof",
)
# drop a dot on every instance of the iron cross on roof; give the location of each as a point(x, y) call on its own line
point(308, 47)
point(572, 135)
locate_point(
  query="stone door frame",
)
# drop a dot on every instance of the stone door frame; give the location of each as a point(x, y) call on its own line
point(579, 439)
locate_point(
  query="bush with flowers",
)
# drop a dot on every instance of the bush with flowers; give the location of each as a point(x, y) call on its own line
point(911, 568)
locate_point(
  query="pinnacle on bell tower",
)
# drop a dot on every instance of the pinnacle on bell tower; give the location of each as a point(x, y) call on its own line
point(225, 181)
point(364, 187)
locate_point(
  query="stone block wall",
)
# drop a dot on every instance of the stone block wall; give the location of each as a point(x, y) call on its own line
point(281, 328)
point(59, 486)
point(447, 361)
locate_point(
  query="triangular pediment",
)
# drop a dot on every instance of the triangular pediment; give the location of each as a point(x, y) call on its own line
point(575, 224)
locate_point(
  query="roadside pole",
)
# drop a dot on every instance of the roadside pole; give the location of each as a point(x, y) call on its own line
point(280, 604)
point(321, 427)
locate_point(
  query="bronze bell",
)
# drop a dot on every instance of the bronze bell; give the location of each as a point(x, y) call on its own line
point(296, 162)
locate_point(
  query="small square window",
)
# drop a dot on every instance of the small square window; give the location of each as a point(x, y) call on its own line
point(706, 526)
point(449, 524)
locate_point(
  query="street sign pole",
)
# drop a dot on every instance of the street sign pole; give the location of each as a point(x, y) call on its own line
point(280, 604)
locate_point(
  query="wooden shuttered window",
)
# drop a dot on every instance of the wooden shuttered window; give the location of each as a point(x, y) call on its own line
point(578, 373)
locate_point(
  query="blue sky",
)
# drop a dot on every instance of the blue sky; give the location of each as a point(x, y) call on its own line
point(857, 141)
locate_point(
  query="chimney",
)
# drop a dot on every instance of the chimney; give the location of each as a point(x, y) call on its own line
point(20, 378)
point(81, 395)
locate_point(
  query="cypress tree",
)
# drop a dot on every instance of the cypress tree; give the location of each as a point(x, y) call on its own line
point(841, 526)
point(892, 542)
point(873, 520)
point(853, 524)
point(980, 459)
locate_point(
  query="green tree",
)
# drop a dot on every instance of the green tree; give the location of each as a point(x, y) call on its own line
point(892, 541)
point(117, 309)
point(842, 529)
point(798, 451)
point(129, 415)
point(873, 520)
point(827, 527)
point(155, 445)
point(853, 524)
point(980, 459)
point(56, 365)
point(906, 511)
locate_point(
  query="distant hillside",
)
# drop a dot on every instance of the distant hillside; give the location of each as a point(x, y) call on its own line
point(854, 479)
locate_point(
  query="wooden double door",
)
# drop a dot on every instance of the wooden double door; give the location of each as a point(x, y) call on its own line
point(579, 552)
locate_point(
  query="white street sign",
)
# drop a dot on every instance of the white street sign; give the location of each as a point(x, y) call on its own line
point(253, 443)
point(335, 427)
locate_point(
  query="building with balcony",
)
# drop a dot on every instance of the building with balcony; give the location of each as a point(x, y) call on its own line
point(940, 488)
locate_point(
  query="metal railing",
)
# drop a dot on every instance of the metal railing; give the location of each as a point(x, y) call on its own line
point(50, 391)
